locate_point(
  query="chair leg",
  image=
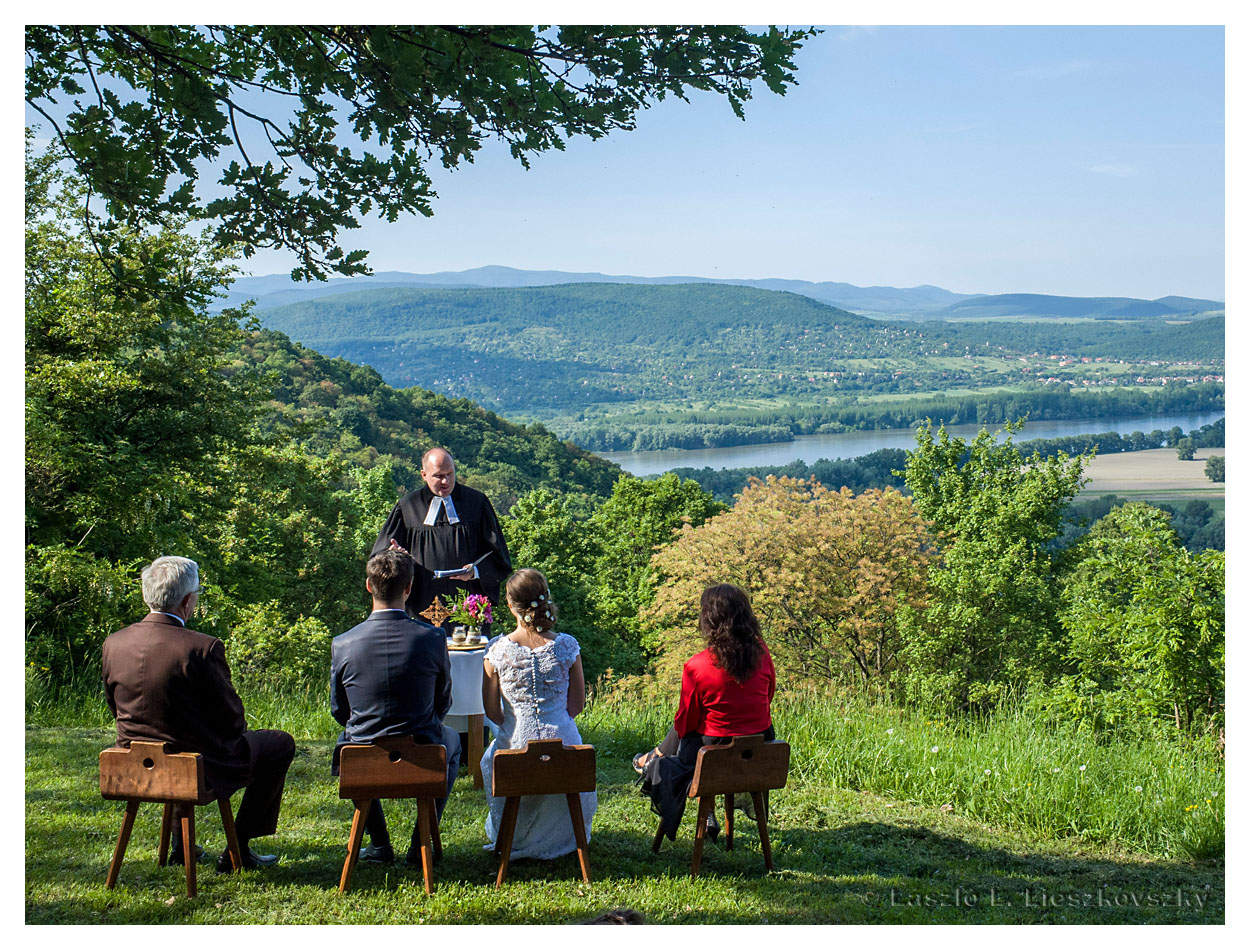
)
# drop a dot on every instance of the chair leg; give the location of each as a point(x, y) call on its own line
point(761, 819)
point(167, 829)
point(659, 836)
point(476, 724)
point(579, 832)
point(353, 843)
point(123, 839)
point(706, 804)
point(232, 838)
point(729, 821)
point(435, 831)
point(188, 846)
point(424, 817)
point(504, 841)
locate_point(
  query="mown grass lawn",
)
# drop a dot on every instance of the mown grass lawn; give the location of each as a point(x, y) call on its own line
point(842, 856)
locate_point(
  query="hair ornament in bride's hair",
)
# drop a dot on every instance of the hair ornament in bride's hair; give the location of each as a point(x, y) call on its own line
point(528, 618)
point(541, 597)
point(533, 603)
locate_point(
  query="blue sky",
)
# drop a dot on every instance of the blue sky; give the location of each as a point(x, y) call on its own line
point(1036, 159)
point(1085, 160)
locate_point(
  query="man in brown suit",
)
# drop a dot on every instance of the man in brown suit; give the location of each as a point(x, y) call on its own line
point(165, 683)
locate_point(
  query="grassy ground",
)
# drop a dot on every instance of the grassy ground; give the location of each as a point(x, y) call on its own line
point(863, 833)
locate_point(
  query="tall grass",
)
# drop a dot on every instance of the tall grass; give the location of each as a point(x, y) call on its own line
point(1015, 770)
point(1011, 768)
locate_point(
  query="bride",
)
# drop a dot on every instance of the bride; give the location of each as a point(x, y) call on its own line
point(532, 688)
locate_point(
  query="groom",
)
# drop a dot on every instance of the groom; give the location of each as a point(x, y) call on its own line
point(390, 676)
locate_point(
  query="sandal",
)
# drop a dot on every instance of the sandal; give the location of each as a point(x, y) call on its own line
point(643, 759)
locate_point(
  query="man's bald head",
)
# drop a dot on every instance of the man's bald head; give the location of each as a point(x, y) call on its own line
point(438, 470)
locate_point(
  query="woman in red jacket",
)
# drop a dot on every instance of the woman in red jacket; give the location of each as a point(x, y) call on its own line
point(726, 691)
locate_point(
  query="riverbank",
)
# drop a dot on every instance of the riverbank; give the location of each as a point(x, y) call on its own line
point(851, 445)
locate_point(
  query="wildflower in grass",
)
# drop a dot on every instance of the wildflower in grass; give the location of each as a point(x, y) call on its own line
point(1082, 768)
point(1056, 769)
point(889, 732)
point(934, 749)
point(1137, 788)
point(987, 771)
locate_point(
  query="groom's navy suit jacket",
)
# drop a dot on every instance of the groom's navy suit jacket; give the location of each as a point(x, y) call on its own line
point(389, 676)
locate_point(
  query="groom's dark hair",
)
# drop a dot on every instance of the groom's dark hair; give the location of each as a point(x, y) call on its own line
point(389, 573)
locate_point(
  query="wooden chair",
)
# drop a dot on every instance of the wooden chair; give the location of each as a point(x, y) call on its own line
point(394, 767)
point(148, 772)
point(542, 767)
point(745, 764)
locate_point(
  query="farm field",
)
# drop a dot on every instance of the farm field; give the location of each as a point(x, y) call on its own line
point(1153, 474)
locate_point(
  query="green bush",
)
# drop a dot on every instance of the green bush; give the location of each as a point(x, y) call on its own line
point(1144, 620)
point(73, 601)
point(266, 649)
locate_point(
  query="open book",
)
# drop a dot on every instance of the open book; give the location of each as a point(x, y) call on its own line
point(452, 572)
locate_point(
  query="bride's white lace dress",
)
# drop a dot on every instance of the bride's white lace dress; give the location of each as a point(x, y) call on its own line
point(535, 689)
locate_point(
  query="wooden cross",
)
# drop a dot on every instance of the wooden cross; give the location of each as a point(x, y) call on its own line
point(436, 613)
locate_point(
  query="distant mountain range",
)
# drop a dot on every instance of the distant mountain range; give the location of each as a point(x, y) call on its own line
point(924, 302)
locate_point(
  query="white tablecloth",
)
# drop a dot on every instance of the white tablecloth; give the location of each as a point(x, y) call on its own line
point(466, 684)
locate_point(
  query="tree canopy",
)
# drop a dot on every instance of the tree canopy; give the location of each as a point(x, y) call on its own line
point(141, 109)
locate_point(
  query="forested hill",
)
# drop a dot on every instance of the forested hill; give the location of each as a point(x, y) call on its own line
point(1035, 306)
point(587, 343)
point(558, 350)
point(337, 408)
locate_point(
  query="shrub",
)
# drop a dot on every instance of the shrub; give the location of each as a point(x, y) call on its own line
point(266, 649)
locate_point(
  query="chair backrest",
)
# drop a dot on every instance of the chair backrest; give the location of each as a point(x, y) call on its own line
point(745, 764)
point(393, 767)
point(148, 771)
point(544, 767)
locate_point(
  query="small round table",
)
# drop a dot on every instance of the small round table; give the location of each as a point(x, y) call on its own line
point(466, 702)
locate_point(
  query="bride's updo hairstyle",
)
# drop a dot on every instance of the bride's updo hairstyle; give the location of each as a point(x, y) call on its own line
point(529, 594)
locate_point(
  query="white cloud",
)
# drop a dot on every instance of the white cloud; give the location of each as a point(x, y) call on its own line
point(1052, 70)
point(851, 33)
point(1119, 169)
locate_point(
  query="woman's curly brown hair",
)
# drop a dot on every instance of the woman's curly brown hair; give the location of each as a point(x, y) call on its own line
point(732, 632)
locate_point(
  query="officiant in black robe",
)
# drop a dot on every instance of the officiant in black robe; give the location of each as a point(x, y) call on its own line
point(445, 526)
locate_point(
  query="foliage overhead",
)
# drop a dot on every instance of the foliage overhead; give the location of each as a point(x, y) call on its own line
point(141, 109)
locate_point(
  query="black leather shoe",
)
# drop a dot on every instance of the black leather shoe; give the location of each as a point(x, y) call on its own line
point(375, 854)
point(251, 861)
point(201, 856)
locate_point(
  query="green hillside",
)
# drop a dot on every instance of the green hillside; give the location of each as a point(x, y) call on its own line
point(587, 359)
point(525, 348)
point(1097, 308)
point(339, 409)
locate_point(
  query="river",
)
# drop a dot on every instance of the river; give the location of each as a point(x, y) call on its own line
point(845, 445)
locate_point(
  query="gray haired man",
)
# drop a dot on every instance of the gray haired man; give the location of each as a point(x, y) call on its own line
point(165, 683)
